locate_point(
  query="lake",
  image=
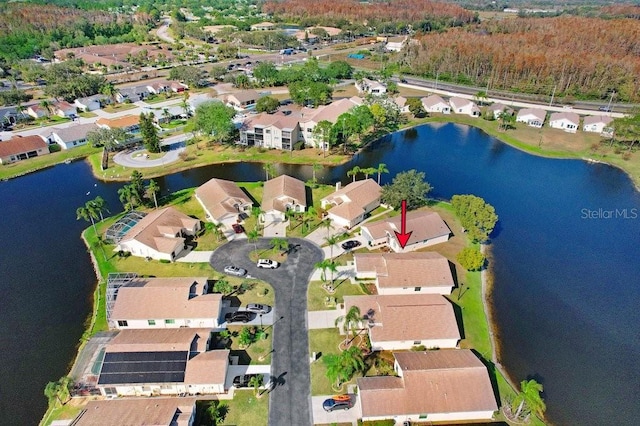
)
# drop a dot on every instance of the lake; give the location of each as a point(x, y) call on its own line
point(565, 265)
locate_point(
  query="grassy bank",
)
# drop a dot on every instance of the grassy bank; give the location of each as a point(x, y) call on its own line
point(9, 171)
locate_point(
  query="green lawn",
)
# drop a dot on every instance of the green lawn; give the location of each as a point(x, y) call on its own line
point(118, 107)
point(26, 166)
point(65, 412)
point(316, 295)
point(251, 355)
point(324, 341)
point(243, 409)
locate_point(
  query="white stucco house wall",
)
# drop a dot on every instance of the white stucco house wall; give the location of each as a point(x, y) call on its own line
point(534, 117)
point(350, 205)
point(464, 106)
point(435, 103)
point(596, 123)
point(567, 121)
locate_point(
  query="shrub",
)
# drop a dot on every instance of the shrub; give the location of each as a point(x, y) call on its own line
point(471, 259)
point(165, 261)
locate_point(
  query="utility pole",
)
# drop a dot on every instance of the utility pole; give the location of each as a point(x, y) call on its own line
point(610, 100)
point(553, 94)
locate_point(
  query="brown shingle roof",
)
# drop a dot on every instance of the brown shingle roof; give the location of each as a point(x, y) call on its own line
point(165, 298)
point(415, 269)
point(431, 101)
point(221, 197)
point(74, 133)
point(19, 144)
point(351, 200)
point(425, 225)
point(136, 412)
point(283, 190)
point(159, 340)
point(157, 229)
point(569, 116)
point(207, 367)
point(444, 381)
point(596, 119)
point(407, 317)
point(120, 122)
point(244, 96)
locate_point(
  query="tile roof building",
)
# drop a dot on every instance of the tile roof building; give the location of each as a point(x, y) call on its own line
point(159, 235)
point(160, 303)
point(427, 228)
point(350, 205)
point(139, 411)
point(73, 136)
point(128, 123)
point(223, 200)
point(438, 386)
point(406, 273)
point(281, 194)
point(435, 103)
point(21, 148)
point(399, 322)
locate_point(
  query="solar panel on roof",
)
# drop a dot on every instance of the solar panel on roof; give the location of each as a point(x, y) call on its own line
point(143, 367)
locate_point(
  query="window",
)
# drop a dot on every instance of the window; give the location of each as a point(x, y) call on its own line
point(110, 391)
point(152, 322)
point(417, 342)
point(267, 131)
point(123, 324)
point(169, 321)
point(417, 289)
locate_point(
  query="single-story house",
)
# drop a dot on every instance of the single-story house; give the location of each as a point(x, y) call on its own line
point(400, 322)
point(263, 26)
point(21, 148)
point(464, 106)
point(64, 109)
point(596, 123)
point(567, 121)
point(132, 94)
point(159, 235)
point(534, 117)
point(281, 194)
point(162, 362)
point(427, 228)
point(161, 303)
point(91, 103)
point(401, 101)
point(350, 205)
point(223, 200)
point(395, 44)
point(405, 273)
point(449, 385)
point(157, 87)
point(166, 114)
point(73, 136)
point(37, 111)
point(177, 87)
point(195, 101)
point(435, 103)
point(498, 109)
point(242, 100)
point(371, 87)
point(138, 411)
point(128, 123)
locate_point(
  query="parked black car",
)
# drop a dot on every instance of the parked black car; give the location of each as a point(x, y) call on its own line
point(351, 244)
point(243, 380)
point(239, 316)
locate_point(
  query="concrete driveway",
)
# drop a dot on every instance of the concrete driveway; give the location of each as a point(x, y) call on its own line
point(339, 416)
point(290, 396)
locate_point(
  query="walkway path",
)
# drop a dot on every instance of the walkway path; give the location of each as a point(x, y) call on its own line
point(137, 159)
point(196, 256)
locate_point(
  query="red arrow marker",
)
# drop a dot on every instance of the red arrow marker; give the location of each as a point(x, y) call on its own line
point(403, 235)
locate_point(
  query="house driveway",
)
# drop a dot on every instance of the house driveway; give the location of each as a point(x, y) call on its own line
point(335, 417)
point(290, 395)
point(324, 319)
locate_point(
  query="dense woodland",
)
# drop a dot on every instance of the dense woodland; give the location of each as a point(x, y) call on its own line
point(580, 57)
point(418, 13)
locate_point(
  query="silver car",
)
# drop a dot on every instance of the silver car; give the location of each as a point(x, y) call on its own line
point(234, 270)
point(258, 308)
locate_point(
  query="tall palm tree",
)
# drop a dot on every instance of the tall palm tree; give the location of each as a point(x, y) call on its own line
point(127, 197)
point(270, 170)
point(99, 205)
point(153, 188)
point(255, 213)
point(279, 243)
point(529, 397)
point(108, 89)
point(46, 104)
point(87, 213)
point(332, 240)
point(326, 224)
point(308, 216)
point(315, 168)
point(323, 265)
point(382, 168)
point(252, 237)
point(217, 411)
point(353, 172)
point(290, 215)
point(351, 321)
point(341, 368)
point(256, 381)
point(166, 115)
point(368, 171)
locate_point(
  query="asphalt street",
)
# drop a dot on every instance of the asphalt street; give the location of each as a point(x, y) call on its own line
point(290, 397)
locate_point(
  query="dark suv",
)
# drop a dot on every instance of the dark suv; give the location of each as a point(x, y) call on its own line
point(243, 380)
point(239, 316)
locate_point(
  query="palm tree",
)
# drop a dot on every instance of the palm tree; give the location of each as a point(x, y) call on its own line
point(58, 392)
point(341, 368)
point(315, 168)
point(46, 104)
point(382, 168)
point(108, 89)
point(217, 411)
point(166, 115)
point(269, 170)
point(252, 237)
point(326, 224)
point(279, 244)
point(289, 215)
point(368, 171)
point(308, 215)
point(153, 188)
point(87, 213)
point(353, 172)
point(324, 265)
point(351, 320)
point(255, 213)
point(529, 398)
point(333, 268)
point(256, 382)
point(216, 228)
point(331, 240)
point(100, 205)
point(126, 196)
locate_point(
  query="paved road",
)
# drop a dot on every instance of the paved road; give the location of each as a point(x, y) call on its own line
point(290, 398)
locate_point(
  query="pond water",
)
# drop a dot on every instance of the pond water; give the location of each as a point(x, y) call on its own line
point(565, 265)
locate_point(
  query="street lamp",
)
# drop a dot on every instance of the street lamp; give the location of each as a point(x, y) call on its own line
point(261, 327)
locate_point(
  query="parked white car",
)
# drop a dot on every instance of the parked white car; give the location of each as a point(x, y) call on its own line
point(267, 264)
